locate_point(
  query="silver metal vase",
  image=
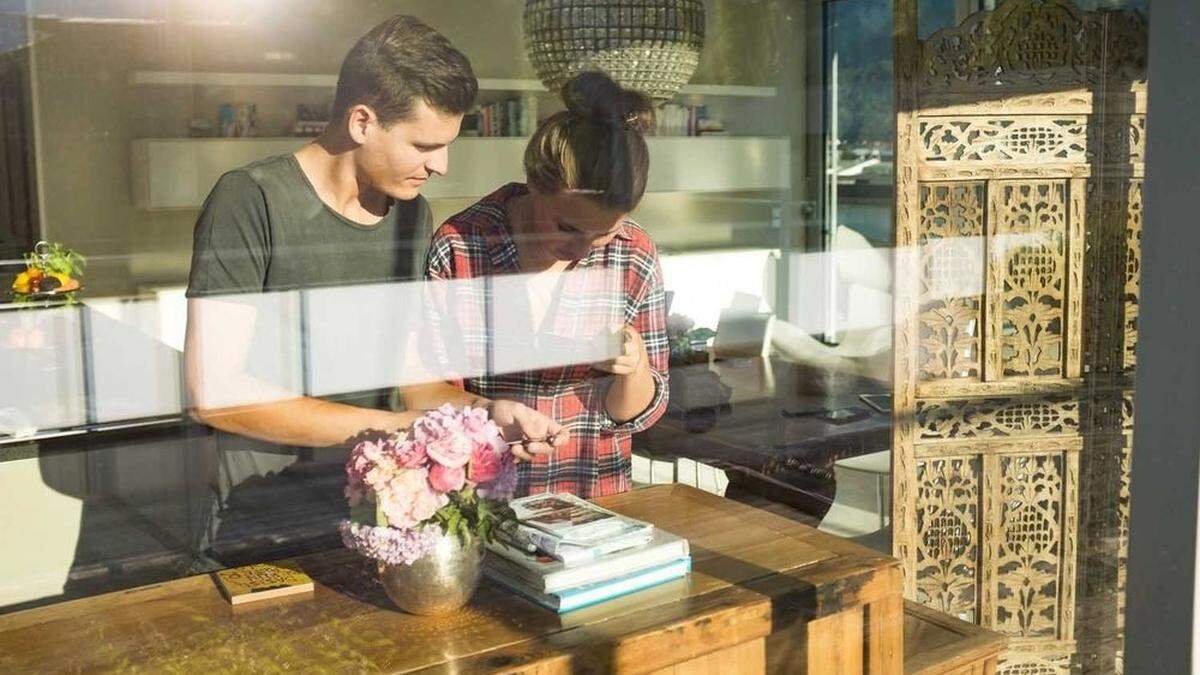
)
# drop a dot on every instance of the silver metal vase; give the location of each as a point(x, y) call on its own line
point(440, 583)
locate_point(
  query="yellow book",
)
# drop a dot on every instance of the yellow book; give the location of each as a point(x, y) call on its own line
point(263, 581)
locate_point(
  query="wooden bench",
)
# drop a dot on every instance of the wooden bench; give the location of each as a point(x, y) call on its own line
point(939, 644)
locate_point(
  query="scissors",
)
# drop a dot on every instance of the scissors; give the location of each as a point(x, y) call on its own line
point(544, 439)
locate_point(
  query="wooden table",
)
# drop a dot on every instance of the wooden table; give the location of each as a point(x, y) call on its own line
point(765, 593)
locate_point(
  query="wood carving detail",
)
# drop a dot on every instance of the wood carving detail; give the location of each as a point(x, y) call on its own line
point(1018, 138)
point(1031, 229)
point(1035, 44)
point(1034, 663)
point(951, 249)
point(997, 417)
point(948, 535)
point(1030, 546)
point(1114, 267)
point(1014, 363)
point(1133, 272)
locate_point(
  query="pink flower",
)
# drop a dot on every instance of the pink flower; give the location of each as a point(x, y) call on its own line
point(485, 464)
point(369, 467)
point(408, 474)
point(451, 451)
point(409, 454)
point(505, 483)
point(408, 499)
point(446, 479)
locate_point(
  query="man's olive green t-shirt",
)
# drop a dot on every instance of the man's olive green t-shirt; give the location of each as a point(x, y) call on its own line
point(264, 229)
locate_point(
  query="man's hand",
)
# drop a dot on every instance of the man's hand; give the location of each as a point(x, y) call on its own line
point(529, 432)
point(633, 356)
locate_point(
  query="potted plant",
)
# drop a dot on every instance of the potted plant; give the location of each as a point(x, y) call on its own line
point(688, 344)
point(697, 393)
point(424, 501)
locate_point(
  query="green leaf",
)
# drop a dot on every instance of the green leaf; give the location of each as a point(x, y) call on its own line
point(363, 513)
point(380, 517)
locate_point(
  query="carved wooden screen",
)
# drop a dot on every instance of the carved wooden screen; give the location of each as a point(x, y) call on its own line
point(1019, 167)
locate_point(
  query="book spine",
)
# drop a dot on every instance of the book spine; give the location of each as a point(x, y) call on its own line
point(568, 600)
point(543, 541)
point(569, 554)
point(514, 117)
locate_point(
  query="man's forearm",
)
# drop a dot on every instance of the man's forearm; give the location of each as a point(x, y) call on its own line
point(306, 422)
point(433, 394)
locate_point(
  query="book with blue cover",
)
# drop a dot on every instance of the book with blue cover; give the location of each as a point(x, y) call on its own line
point(570, 599)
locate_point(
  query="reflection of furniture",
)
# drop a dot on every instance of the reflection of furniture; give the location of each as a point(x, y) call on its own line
point(1019, 181)
point(863, 283)
point(770, 436)
point(764, 591)
point(862, 503)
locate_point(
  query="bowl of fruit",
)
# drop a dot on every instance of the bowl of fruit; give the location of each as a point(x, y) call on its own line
point(52, 271)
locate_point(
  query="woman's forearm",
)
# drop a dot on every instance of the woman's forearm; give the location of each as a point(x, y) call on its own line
point(630, 395)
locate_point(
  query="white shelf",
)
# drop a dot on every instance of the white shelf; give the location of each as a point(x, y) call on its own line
point(201, 79)
point(177, 173)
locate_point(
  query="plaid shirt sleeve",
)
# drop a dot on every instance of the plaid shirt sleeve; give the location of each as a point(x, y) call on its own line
point(648, 319)
point(450, 309)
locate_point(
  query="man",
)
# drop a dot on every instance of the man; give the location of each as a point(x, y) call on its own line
point(343, 210)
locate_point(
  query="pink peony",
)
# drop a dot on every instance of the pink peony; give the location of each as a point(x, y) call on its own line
point(409, 454)
point(485, 464)
point(369, 467)
point(408, 475)
point(447, 479)
point(451, 451)
point(408, 498)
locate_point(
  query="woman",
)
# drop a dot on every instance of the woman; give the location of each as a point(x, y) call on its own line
point(588, 273)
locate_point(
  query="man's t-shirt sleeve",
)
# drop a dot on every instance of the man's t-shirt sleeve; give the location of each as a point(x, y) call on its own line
point(230, 248)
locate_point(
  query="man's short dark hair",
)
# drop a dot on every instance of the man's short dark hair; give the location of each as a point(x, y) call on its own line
point(396, 63)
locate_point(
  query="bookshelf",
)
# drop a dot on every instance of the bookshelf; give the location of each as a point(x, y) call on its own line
point(177, 173)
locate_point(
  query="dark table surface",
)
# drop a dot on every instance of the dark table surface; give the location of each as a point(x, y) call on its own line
point(771, 426)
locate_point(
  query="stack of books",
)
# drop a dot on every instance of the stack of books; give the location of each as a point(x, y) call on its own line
point(510, 117)
point(566, 553)
point(687, 120)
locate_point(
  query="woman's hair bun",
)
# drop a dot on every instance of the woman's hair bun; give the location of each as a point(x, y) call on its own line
point(595, 96)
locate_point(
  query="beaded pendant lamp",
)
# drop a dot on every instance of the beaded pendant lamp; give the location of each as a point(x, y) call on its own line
point(651, 46)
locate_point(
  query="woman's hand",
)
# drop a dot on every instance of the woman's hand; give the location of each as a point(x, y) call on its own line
point(529, 432)
point(632, 358)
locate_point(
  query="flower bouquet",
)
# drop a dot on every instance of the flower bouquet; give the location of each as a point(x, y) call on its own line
point(423, 501)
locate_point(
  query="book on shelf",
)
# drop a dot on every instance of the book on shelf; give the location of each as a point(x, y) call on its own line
point(263, 581)
point(572, 520)
point(546, 574)
point(578, 597)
